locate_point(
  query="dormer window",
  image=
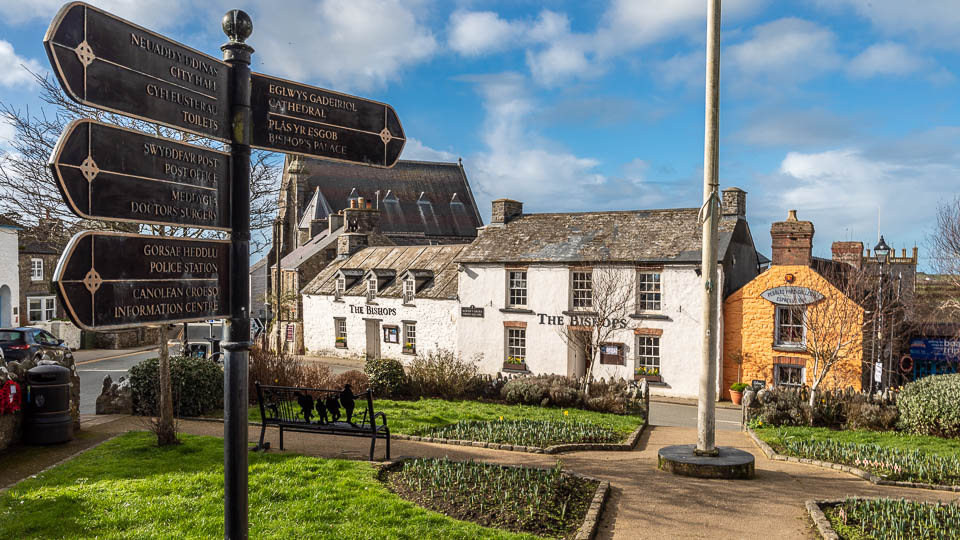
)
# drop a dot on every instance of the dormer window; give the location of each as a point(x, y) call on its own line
point(371, 288)
point(414, 280)
point(340, 287)
point(409, 290)
point(346, 278)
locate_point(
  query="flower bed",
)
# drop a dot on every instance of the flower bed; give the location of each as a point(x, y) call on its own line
point(893, 519)
point(889, 463)
point(537, 433)
point(545, 502)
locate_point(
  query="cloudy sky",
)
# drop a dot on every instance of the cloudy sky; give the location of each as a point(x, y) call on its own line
point(845, 110)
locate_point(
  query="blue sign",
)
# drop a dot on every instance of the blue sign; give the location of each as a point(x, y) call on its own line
point(934, 356)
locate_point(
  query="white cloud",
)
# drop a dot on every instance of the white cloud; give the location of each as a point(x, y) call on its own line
point(346, 44)
point(152, 14)
point(415, 150)
point(788, 50)
point(932, 22)
point(14, 68)
point(886, 59)
point(480, 32)
point(560, 61)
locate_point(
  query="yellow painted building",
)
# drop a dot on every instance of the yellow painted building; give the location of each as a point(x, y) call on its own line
point(773, 322)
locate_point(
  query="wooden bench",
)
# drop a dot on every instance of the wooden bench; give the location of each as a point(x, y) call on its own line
point(293, 408)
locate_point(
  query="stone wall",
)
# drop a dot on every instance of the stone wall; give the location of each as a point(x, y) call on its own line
point(126, 339)
point(65, 330)
point(44, 287)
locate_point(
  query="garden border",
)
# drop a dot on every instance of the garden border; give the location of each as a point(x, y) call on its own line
point(626, 446)
point(866, 475)
point(820, 519)
point(591, 521)
point(76, 454)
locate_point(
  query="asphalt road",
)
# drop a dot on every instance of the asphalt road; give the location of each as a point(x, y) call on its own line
point(685, 415)
point(92, 367)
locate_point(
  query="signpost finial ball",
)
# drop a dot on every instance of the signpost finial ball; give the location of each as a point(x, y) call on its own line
point(237, 25)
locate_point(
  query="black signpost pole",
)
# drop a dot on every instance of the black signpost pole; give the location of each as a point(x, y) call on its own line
point(238, 27)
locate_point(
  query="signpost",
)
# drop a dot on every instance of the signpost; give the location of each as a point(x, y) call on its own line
point(110, 280)
point(114, 280)
point(106, 62)
point(296, 118)
point(116, 174)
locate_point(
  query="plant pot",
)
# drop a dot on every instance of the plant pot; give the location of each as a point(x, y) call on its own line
point(514, 367)
point(649, 378)
point(409, 350)
point(340, 345)
point(736, 397)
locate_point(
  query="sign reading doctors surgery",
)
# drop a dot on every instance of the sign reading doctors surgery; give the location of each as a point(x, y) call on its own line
point(157, 280)
point(789, 295)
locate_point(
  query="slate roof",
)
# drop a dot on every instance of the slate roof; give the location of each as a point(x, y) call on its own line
point(317, 208)
point(427, 198)
point(7, 222)
point(437, 259)
point(318, 243)
point(37, 248)
point(653, 236)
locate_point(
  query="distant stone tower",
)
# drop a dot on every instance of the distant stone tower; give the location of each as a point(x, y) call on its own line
point(293, 193)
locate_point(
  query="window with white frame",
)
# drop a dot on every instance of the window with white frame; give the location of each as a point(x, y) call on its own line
point(409, 290)
point(788, 375)
point(516, 345)
point(582, 289)
point(410, 336)
point(648, 291)
point(790, 330)
point(371, 288)
point(340, 286)
point(340, 331)
point(648, 354)
point(36, 269)
point(41, 308)
point(517, 288)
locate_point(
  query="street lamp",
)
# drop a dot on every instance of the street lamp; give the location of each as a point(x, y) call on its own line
point(881, 251)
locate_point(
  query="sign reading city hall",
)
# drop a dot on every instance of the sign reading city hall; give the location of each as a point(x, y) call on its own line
point(117, 174)
point(115, 280)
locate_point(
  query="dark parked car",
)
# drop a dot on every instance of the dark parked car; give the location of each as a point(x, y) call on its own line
point(22, 343)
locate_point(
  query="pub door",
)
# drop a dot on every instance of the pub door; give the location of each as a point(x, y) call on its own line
point(373, 339)
point(579, 354)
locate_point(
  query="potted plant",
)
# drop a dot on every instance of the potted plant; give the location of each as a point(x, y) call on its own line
point(650, 374)
point(409, 348)
point(736, 392)
point(513, 363)
point(341, 343)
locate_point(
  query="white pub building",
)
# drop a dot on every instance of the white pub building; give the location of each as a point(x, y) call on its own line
point(522, 295)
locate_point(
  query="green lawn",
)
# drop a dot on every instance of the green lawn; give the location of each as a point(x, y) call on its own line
point(891, 439)
point(129, 488)
point(410, 417)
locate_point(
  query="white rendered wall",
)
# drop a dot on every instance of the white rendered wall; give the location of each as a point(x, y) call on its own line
point(436, 322)
point(547, 351)
point(10, 272)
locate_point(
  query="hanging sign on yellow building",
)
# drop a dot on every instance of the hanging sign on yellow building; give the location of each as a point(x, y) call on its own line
point(789, 295)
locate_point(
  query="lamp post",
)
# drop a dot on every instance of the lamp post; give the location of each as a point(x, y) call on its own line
point(881, 251)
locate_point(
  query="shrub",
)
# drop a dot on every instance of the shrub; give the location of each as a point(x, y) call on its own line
point(526, 391)
point(872, 416)
point(387, 378)
point(931, 406)
point(784, 408)
point(357, 380)
point(444, 374)
point(314, 375)
point(559, 391)
point(274, 369)
point(197, 385)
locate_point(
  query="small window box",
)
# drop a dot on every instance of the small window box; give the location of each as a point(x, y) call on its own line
point(651, 375)
point(341, 343)
point(513, 366)
point(409, 348)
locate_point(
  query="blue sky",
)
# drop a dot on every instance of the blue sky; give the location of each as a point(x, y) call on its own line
point(841, 109)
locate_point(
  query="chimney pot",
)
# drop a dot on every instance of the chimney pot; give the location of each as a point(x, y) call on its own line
point(792, 215)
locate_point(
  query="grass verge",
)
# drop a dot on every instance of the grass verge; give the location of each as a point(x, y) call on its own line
point(130, 488)
point(891, 455)
point(545, 502)
point(415, 417)
point(881, 519)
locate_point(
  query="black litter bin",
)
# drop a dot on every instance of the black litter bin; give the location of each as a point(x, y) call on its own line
point(46, 418)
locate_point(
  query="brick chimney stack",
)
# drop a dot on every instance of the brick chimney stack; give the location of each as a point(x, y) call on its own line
point(734, 203)
point(848, 252)
point(792, 241)
point(504, 210)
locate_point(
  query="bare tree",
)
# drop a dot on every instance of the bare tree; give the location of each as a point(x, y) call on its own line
point(944, 246)
point(605, 310)
point(29, 192)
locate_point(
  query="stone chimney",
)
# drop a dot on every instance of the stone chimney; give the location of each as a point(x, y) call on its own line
point(792, 241)
point(335, 221)
point(350, 243)
point(848, 252)
point(504, 210)
point(362, 220)
point(734, 203)
point(317, 226)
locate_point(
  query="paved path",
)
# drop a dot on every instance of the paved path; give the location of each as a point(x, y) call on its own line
point(684, 414)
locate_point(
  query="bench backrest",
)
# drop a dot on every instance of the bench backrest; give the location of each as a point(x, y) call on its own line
point(287, 403)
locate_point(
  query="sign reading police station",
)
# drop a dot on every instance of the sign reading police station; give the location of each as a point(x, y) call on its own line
point(113, 280)
point(116, 174)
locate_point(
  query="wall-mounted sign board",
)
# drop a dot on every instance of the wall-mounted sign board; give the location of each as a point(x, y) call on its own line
point(789, 295)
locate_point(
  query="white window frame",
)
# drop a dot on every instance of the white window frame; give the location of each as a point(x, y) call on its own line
point(340, 329)
point(647, 352)
point(410, 335)
point(649, 293)
point(517, 288)
point(47, 308)
point(777, 341)
point(340, 286)
point(777, 370)
point(409, 290)
point(516, 339)
point(36, 269)
point(583, 301)
point(371, 288)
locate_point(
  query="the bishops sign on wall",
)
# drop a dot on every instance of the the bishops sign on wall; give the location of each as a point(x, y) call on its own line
point(789, 295)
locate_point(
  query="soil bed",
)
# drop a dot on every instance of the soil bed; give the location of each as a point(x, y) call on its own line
point(545, 502)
